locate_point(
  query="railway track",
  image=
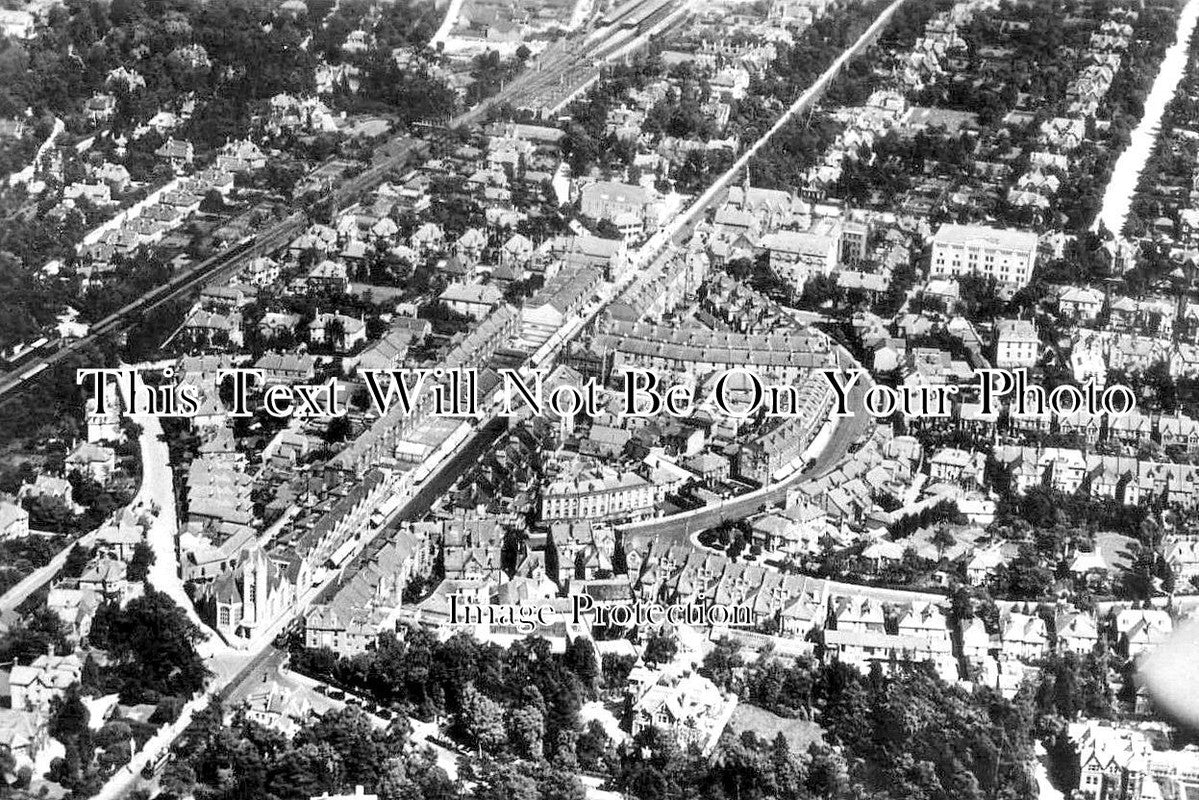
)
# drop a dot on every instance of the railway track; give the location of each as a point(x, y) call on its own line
point(529, 84)
point(213, 268)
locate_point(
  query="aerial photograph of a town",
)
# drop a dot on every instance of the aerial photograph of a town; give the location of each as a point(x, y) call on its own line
point(599, 399)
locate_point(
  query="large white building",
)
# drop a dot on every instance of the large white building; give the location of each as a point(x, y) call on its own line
point(1016, 343)
point(1006, 254)
point(599, 494)
point(798, 255)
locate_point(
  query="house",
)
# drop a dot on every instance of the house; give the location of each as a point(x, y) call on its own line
point(178, 154)
point(977, 643)
point(1091, 566)
point(44, 488)
point(33, 686)
point(984, 564)
point(106, 577)
point(690, 708)
point(517, 250)
point(14, 521)
point(956, 466)
point(857, 614)
point(98, 194)
point(922, 619)
point(94, 460)
point(329, 276)
point(277, 708)
point(1023, 636)
point(207, 328)
point(24, 734)
point(17, 23)
point(1075, 632)
point(241, 156)
point(426, 239)
point(1017, 343)
point(287, 367)
point(1141, 630)
point(562, 297)
point(470, 245)
point(862, 649)
point(100, 107)
point(473, 300)
point(340, 332)
point(1080, 303)
point(1064, 133)
point(74, 607)
point(1113, 762)
point(1179, 430)
point(1182, 554)
point(275, 324)
point(599, 494)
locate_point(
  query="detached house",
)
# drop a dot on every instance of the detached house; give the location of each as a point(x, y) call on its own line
point(178, 154)
point(94, 460)
point(690, 708)
point(32, 687)
point(100, 107)
point(341, 332)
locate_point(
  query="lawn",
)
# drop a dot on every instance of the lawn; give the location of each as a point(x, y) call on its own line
point(800, 733)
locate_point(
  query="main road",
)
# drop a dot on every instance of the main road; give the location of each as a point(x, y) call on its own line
point(230, 676)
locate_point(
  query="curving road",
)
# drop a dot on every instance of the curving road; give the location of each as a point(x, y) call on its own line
point(678, 528)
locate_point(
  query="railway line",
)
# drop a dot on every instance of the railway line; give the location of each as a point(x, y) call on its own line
point(52, 351)
point(563, 72)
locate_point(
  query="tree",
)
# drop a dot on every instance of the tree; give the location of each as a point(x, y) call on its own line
point(483, 719)
point(506, 781)
point(551, 559)
point(660, 648)
point(526, 725)
point(151, 643)
point(139, 563)
point(580, 659)
point(942, 540)
point(70, 720)
point(303, 770)
point(361, 749)
point(76, 561)
point(338, 430)
point(178, 778)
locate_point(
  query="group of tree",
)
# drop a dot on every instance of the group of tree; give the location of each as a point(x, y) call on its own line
point(465, 681)
point(151, 648)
